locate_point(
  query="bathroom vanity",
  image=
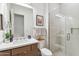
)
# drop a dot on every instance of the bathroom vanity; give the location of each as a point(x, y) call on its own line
point(29, 48)
point(21, 25)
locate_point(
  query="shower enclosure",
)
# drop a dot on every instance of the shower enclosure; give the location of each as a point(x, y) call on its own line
point(64, 29)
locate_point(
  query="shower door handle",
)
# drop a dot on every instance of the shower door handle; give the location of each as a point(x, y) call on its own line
point(68, 36)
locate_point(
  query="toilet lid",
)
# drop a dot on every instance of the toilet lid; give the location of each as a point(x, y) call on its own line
point(46, 51)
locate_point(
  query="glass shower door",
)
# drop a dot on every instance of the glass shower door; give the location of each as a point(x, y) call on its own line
point(72, 37)
point(57, 34)
point(71, 12)
point(64, 29)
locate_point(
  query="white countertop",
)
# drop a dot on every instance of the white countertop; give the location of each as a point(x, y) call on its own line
point(6, 46)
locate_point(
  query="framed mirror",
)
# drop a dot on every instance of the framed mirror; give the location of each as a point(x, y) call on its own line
point(22, 20)
point(1, 22)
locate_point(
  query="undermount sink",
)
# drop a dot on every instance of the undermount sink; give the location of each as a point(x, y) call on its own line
point(19, 41)
point(22, 41)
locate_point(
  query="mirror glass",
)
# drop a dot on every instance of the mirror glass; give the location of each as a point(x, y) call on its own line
point(19, 27)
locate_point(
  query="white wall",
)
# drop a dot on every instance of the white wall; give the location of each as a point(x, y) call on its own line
point(53, 7)
point(5, 12)
point(38, 9)
point(71, 10)
point(41, 9)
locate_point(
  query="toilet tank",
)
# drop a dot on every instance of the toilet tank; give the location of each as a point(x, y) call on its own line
point(41, 44)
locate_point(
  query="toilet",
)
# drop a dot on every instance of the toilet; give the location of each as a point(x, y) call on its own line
point(44, 51)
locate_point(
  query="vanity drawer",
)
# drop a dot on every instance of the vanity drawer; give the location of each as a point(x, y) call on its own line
point(34, 47)
point(22, 51)
point(34, 50)
point(28, 48)
point(18, 51)
point(5, 53)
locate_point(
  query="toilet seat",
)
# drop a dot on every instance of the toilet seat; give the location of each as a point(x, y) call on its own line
point(46, 52)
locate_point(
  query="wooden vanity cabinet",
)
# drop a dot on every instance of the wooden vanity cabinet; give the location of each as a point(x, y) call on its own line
point(18, 51)
point(33, 51)
point(29, 50)
point(21, 51)
point(5, 53)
